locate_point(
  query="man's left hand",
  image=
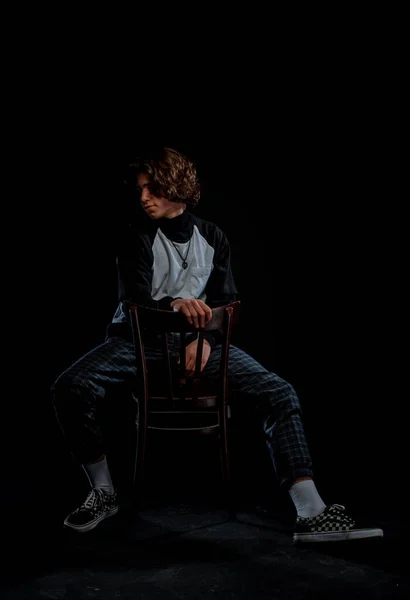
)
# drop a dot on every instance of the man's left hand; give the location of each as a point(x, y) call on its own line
point(190, 356)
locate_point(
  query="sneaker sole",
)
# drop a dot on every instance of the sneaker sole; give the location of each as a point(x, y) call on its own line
point(337, 536)
point(92, 524)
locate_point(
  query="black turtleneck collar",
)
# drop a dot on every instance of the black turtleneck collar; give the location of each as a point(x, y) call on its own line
point(179, 229)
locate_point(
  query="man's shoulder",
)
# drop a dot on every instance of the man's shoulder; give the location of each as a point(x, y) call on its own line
point(136, 234)
point(208, 228)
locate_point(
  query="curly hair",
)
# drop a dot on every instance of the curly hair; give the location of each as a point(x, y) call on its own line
point(172, 175)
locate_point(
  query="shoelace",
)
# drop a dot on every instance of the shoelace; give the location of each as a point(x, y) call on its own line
point(93, 497)
point(338, 513)
point(343, 517)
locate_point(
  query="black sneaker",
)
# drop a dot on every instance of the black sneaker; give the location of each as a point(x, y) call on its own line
point(98, 505)
point(331, 525)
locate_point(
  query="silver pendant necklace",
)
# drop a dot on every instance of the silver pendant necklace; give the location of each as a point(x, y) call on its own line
point(184, 262)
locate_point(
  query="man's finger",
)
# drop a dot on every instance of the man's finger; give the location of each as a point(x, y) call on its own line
point(187, 313)
point(193, 315)
point(202, 319)
point(208, 311)
point(200, 311)
point(204, 307)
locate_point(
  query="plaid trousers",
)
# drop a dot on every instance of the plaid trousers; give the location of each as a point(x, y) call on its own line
point(79, 390)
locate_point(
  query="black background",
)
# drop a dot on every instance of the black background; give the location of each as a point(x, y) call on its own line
point(305, 188)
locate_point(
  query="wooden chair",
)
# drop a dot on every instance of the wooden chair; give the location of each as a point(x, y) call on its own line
point(167, 392)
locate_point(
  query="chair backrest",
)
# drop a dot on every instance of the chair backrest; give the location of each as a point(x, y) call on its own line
point(154, 321)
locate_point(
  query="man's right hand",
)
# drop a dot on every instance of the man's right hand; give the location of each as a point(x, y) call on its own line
point(197, 312)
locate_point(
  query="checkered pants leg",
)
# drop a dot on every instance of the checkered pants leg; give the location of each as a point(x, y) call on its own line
point(276, 403)
point(80, 389)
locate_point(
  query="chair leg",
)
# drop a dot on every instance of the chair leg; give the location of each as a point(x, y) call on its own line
point(139, 452)
point(226, 471)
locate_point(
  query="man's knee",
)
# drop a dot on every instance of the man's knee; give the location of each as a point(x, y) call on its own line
point(281, 396)
point(66, 390)
point(288, 396)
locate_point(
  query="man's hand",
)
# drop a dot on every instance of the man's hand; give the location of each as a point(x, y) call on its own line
point(190, 357)
point(196, 311)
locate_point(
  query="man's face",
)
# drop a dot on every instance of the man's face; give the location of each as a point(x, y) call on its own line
point(155, 207)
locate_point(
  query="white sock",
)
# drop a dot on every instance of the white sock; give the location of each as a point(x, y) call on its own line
point(306, 498)
point(99, 475)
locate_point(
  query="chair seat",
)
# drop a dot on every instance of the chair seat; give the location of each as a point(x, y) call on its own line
point(157, 387)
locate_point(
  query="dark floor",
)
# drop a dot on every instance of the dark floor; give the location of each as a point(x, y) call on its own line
point(182, 545)
point(177, 549)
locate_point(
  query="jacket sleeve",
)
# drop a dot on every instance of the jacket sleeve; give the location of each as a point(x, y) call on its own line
point(221, 288)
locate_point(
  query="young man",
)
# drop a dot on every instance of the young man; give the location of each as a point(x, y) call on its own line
point(177, 261)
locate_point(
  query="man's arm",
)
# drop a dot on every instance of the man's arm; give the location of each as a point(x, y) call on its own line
point(221, 288)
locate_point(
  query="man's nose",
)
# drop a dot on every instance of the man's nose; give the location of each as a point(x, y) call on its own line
point(145, 195)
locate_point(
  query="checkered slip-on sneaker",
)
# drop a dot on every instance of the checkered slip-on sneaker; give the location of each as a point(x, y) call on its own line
point(331, 525)
point(97, 506)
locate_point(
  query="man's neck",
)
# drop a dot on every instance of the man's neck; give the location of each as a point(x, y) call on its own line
point(175, 213)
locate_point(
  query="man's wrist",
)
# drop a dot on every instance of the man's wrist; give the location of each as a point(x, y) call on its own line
point(174, 300)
